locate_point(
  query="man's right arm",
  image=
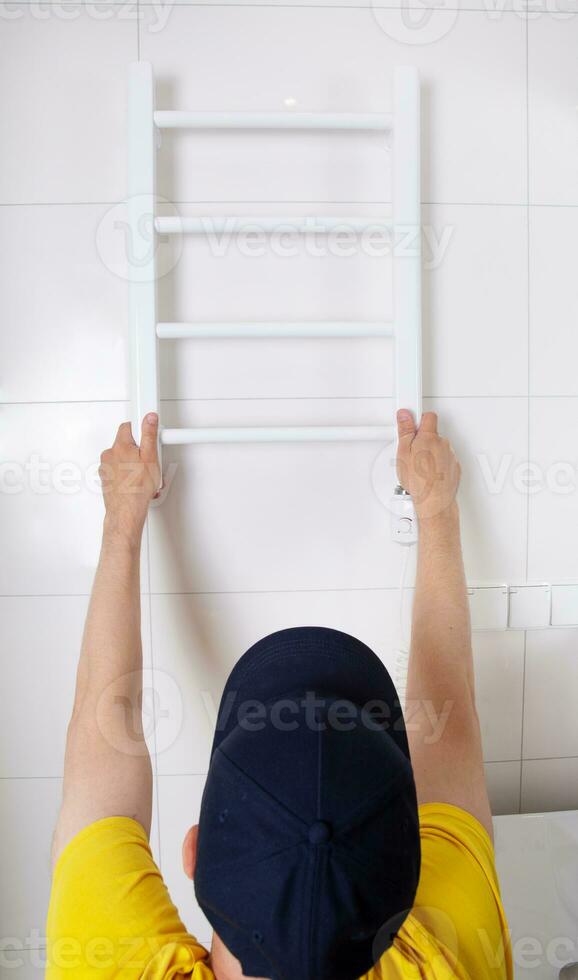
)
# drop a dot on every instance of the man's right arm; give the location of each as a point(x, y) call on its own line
point(443, 726)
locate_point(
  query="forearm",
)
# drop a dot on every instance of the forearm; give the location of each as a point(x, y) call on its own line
point(443, 727)
point(107, 769)
point(441, 653)
point(111, 650)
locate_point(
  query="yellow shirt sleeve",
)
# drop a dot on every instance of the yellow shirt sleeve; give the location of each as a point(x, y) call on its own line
point(111, 915)
point(457, 928)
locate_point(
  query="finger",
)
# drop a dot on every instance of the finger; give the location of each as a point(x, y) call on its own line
point(160, 490)
point(429, 422)
point(148, 439)
point(124, 435)
point(405, 423)
point(405, 432)
point(406, 435)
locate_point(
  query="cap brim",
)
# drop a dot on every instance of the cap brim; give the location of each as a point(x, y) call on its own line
point(311, 658)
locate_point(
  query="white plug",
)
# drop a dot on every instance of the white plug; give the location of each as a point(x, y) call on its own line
point(403, 517)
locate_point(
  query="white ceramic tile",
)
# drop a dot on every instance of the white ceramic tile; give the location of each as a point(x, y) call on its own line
point(198, 639)
point(549, 784)
point(499, 670)
point(473, 72)
point(40, 647)
point(553, 301)
point(155, 834)
point(503, 781)
point(52, 508)
point(475, 300)
point(219, 528)
point(553, 526)
point(475, 303)
point(564, 611)
point(65, 119)
point(490, 439)
point(180, 805)
point(294, 278)
point(28, 811)
point(550, 717)
point(562, 10)
point(257, 517)
point(553, 125)
point(22, 964)
point(536, 857)
point(65, 313)
point(41, 638)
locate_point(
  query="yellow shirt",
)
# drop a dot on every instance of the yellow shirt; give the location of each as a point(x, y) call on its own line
point(111, 915)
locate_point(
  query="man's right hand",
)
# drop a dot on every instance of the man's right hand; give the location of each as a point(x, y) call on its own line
point(426, 465)
point(131, 477)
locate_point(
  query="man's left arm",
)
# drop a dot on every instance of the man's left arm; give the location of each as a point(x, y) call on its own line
point(107, 769)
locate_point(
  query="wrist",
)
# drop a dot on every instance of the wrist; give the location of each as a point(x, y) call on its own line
point(119, 534)
point(444, 524)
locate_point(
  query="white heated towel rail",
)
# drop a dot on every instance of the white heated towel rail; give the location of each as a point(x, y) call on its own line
point(144, 225)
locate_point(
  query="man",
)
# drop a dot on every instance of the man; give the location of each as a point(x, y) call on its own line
point(312, 861)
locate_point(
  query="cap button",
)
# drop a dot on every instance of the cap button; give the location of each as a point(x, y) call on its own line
point(320, 832)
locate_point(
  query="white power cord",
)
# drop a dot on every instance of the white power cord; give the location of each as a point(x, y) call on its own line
point(402, 652)
point(404, 531)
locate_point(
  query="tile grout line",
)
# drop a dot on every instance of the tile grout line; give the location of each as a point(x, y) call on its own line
point(281, 398)
point(522, 760)
point(302, 6)
point(292, 202)
point(155, 800)
point(528, 294)
point(215, 592)
point(482, 9)
point(528, 377)
point(323, 590)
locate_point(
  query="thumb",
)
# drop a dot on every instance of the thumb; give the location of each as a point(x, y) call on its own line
point(148, 439)
point(406, 428)
point(406, 431)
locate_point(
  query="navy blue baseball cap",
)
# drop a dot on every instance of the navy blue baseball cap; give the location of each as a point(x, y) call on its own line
point(308, 851)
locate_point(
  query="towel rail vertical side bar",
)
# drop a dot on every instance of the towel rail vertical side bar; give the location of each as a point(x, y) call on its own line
point(143, 344)
point(407, 239)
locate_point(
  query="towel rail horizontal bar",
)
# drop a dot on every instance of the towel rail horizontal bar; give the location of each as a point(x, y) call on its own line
point(280, 329)
point(174, 119)
point(302, 225)
point(306, 433)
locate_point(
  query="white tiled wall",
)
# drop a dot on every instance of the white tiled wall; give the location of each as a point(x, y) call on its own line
point(252, 539)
